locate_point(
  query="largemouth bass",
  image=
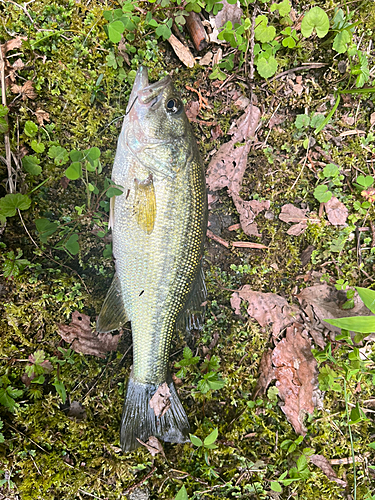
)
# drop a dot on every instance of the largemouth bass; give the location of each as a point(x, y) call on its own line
point(159, 225)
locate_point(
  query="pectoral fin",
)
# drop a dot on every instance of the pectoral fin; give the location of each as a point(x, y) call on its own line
point(145, 204)
point(192, 317)
point(113, 315)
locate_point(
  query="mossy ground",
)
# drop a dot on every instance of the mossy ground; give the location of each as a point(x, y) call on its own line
point(49, 455)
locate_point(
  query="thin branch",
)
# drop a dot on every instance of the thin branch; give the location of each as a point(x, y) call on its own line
point(8, 156)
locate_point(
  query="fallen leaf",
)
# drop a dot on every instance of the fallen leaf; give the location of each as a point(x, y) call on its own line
point(83, 339)
point(337, 212)
point(26, 91)
point(247, 211)
point(216, 132)
point(182, 52)
point(266, 373)
point(206, 59)
point(276, 120)
point(321, 302)
point(242, 102)
point(77, 411)
point(324, 465)
point(228, 165)
point(306, 255)
point(153, 445)
point(15, 43)
point(160, 401)
point(42, 116)
point(296, 376)
point(266, 308)
point(230, 12)
point(291, 214)
point(192, 110)
point(372, 118)
point(298, 89)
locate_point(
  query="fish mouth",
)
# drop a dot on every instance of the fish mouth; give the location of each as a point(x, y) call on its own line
point(147, 94)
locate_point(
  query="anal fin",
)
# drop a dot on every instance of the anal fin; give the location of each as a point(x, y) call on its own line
point(192, 316)
point(112, 315)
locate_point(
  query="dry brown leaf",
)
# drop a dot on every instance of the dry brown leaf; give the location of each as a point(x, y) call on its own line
point(324, 465)
point(337, 212)
point(216, 131)
point(160, 401)
point(229, 12)
point(83, 339)
point(182, 52)
point(296, 376)
point(206, 59)
point(321, 302)
point(42, 116)
point(372, 118)
point(228, 165)
point(290, 213)
point(266, 373)
point(27, 90)
point(276, 120)
point(192, 110)
point(153, 445)
point(298, 88)
point(266, 308)
point(15, 43)
point(248, 210)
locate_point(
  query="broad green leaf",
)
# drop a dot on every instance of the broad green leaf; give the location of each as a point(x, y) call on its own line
point(322, 194)
point(74, 171)
point(316, 120)
point(365, 181)
point(107, 252)
point(372, 445)
point(31, 165)
point(60, 388)
point(290, 43)
point(3, 126)
point(72, 245)
point(330, 170)
point(45, 229)
point(3, 110)
point(182, 494)
point(283, 7)
point(91, 187)
point(38, 147)
point(361, 324)
point(195, 440)
point(341, 41)
point(76, 155)
point(11, 202)
point(368, 297)
point(275, 486)
point(211, 438)
point(31, 128)
point(302, 121)
point(217, 74)
point(115, 30)
point(92, 154)
point(59, 154)
point(215, 385)
point(316, 19)
point(113, 191)
point(266, 67)
point(262, 32)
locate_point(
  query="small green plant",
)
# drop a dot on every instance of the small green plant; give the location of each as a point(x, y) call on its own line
point(182, 494)
point(300, 472)
point(13, 264)
point(331, 175)
point(8, 394)
point(207, 377)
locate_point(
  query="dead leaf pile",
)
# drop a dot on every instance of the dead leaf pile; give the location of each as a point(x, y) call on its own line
point(228, 165)
point(336, 211)
point(297, 216)
point(83, 339)
point(291, 362)
point(296, 376)
point(269, 309)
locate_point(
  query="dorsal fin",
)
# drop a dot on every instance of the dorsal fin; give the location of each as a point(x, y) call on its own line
point(113, 315)
point(192, 316)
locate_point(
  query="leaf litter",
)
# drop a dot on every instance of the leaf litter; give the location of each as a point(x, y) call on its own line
point(291, 362)
point(84, 339)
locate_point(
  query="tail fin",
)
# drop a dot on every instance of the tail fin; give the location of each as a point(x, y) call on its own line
point(140, 420)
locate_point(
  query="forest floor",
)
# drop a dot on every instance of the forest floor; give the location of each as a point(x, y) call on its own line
point(281, 403)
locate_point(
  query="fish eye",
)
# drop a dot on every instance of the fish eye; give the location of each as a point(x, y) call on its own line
point(173, 105)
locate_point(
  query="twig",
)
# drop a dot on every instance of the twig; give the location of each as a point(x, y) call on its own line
point(132, 488)
point(89, 494)
point(236, 244)
point(303, 166)
point(252, 44)
point(8, 156)
point(292, 70)
point(22, 7)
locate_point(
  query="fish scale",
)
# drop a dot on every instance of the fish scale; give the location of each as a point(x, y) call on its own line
point(158, 224)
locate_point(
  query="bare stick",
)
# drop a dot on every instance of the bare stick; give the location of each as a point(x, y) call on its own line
point(8, 155)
